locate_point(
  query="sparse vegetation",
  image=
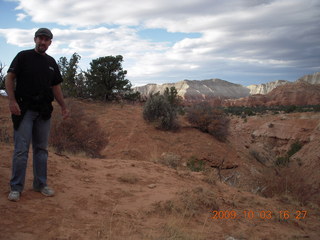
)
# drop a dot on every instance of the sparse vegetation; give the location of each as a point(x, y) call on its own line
point(189, 203)
point(209, 119)
point(119, 197)
point(5, 137)
point(284, 160)
point(210, 177)
point(172, 231)
point(289, 183)
point(169, 159)
point(244, 111)
point(79, 133)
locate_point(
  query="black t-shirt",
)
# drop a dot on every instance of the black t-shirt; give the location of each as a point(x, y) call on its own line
point(35, 73)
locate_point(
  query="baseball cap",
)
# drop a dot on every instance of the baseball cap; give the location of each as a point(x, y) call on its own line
point(43, 32)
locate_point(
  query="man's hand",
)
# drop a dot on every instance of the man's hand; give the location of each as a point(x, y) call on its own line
point(14, 108)
point(65, 113)
point(59, 97)
point(9, 83)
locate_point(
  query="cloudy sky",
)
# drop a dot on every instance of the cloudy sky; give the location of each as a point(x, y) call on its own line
point(241, 41)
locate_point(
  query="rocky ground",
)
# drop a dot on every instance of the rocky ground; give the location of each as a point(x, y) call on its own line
point(129, 194)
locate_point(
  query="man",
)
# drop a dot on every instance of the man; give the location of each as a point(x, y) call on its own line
point(32, 83)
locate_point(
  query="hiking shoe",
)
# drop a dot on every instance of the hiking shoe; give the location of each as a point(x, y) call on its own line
point(46, 191)
point(14, 196)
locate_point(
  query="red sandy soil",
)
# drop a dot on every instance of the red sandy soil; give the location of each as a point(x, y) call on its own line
point(95, 200)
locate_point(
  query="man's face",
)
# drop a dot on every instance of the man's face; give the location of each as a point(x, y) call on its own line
point(42, 44)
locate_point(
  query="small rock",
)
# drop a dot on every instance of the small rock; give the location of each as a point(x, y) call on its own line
point(152, 185)
point(231, 238)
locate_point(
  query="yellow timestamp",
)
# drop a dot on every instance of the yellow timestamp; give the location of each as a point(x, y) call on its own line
point(263, 214)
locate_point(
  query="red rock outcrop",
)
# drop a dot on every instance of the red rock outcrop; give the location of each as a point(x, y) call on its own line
point(298, 93)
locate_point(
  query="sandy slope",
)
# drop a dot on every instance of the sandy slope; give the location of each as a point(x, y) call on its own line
point(123, 195)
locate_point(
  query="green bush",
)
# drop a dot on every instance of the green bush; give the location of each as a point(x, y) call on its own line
point(208, 119)
point(163, 109)
point(290, 109)
point(295, 147)
point(282, 161)
point(195, 165)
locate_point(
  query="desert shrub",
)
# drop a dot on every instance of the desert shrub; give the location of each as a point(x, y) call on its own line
point(198, 199)
point(195, 165)
point(271, 125)
point(208, 119)
point(132, 96)
point(294, 148)
point(77, 134)
point(163, 109)
point(282, 161)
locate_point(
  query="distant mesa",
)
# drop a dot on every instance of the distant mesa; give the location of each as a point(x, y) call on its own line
point(299, 93)
point(196, 90)
point(312, 78)
point(266, 87)
point(277, 92)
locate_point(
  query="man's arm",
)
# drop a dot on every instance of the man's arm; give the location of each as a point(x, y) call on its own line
point(59, 97)
point(10, 83)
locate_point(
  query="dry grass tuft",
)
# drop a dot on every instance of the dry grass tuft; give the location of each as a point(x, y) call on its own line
point(5, 136)
point(169, 159)
point(175, 231)
point(189, 203)
point(210, 176)
point(129, 178)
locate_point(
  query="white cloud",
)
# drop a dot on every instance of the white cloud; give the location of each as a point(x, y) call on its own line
point(21, 17)
point(18, 37)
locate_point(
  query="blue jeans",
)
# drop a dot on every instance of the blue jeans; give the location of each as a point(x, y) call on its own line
point(32, 127)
